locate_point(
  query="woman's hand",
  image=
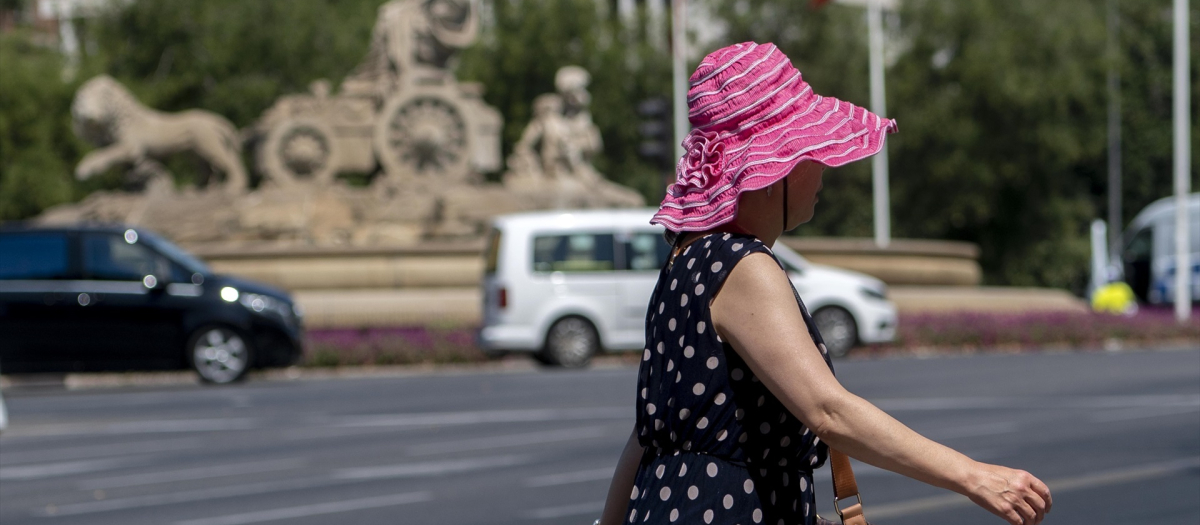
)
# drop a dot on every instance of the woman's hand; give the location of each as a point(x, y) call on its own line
point(1014, 495)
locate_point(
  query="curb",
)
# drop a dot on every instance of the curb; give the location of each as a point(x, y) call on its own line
point(506, 365)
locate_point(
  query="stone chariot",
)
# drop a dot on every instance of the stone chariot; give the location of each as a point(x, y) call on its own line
point(401, 110)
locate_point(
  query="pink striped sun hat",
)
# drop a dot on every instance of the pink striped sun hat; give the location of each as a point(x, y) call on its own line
point(754, 119)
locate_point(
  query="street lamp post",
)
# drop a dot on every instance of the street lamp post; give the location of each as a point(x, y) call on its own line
point(1115, 223)
point(1183, 164)
point(881, 194)
point(879, 163)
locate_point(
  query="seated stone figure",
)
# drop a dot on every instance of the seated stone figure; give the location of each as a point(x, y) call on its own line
point(413, 42)
point(107, 115)
point(560, 141)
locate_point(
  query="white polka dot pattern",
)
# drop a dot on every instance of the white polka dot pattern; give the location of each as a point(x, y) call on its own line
point(708, 420)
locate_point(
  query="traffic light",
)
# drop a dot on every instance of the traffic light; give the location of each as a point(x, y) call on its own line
point(655, 128)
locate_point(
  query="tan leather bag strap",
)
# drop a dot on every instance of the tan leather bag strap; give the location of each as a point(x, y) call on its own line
point(845, 487)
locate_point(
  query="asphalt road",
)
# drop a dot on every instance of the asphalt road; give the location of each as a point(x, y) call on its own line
point(1116, 436)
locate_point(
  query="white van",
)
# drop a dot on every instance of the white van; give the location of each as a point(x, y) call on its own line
point(1148, 254)
point(566, 285)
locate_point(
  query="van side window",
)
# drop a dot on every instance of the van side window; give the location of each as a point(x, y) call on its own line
point(109, 257)
point(645, 251)
point(580, 252)
point(34, 256)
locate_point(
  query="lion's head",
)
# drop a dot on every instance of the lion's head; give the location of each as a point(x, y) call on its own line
point(99, 107)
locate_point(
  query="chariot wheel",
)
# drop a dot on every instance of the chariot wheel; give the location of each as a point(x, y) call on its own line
point(298, 149)
point(425, 135)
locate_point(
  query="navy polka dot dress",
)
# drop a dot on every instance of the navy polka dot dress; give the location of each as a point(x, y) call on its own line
point(720, 447)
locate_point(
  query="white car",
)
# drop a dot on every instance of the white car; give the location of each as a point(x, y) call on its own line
point(566, 285)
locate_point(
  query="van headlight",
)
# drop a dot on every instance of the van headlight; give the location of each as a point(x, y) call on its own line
point(879, 294)
point(266, 305)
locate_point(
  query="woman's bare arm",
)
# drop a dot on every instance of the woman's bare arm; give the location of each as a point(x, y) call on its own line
point(622, 483)
point(756, 312)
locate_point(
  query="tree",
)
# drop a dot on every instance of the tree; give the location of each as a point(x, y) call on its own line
point(36, 142)
point(1001, 111)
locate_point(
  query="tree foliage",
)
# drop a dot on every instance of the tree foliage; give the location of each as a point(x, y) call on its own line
point(1002, 112)
point(1001, 104)
point(36, 143)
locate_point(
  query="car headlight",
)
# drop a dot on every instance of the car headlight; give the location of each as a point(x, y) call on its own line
point(879, 294)
point(266, 305)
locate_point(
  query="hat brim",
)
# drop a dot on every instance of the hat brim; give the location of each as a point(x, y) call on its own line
point(824, 130)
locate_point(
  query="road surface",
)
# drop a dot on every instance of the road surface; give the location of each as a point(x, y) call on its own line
point(1116, 436)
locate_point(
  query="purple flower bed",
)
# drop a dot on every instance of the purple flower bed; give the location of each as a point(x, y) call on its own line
point(391, 346)
point(949, 332)
point(974, 331)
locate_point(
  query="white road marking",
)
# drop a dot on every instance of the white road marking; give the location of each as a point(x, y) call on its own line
point(313, 510)
point(508, 441)
point(155, 500)
point(986, 429)
point(1125, 475)
point(1085, 481)
point(1141, 413)
point(550, 513)
point(580, 476)
point(863, 470)
point(7, 456)
point(248, 489)
point(492, 416)
point(1083, 402)
point(212, 471)
point(66, 468)
point(134, 427)
point(432, 468)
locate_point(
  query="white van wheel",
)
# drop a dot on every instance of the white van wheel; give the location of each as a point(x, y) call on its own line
point(837, 328)
point(571, 342)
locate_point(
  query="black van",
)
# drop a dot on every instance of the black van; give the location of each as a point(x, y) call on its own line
point(106, 298)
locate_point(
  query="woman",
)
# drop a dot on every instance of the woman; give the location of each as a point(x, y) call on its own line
point(736, 394)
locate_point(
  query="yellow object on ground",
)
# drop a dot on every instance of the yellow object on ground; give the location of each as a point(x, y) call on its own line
point(1114, 298)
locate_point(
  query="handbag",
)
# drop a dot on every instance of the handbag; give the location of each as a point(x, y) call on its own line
point(845, 487)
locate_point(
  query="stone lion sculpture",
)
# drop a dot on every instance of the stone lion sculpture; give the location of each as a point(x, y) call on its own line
point(107, 115)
